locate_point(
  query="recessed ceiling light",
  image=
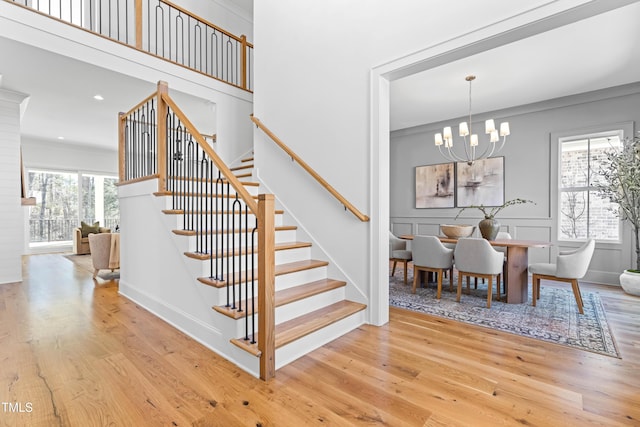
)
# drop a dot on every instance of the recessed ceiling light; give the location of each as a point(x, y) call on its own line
point(61, 137)
point(98, 97)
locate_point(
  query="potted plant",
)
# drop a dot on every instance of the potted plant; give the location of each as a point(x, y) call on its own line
point(489, 226)
point(620, 171)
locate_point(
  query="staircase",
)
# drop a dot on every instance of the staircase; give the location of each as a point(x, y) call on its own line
point(311, 308)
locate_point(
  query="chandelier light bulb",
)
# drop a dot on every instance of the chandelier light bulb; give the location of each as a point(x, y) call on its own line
point(489, 126)
point(464, 129)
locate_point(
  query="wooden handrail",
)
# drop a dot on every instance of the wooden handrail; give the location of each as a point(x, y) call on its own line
point(222, 167)
point(362, 217)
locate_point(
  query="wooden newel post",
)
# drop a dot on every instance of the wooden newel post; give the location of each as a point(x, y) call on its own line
point(163, 109)
point(266, 286)
point(121, 147)
point(243, 39)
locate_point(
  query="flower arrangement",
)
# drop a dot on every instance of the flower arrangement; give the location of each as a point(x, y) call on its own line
point(491, 212)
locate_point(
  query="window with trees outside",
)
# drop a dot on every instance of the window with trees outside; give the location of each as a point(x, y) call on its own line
point(583, 213)
point(63, 199)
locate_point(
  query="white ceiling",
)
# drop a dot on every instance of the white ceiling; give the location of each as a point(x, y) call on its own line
point(592, 54)
point(61, 92)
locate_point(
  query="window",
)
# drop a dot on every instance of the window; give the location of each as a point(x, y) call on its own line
point(583, 213)
point(55, 214)
point(63, 199)
point(100, 200)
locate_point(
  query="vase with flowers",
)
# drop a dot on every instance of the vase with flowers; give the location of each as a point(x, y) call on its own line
point(490, 226)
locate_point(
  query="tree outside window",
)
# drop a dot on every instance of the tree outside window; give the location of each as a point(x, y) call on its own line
point(583, 212)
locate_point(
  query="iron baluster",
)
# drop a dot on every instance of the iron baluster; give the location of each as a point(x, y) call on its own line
point(236, 260)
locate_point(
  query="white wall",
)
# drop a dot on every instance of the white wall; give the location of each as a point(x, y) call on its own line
point(530, 171)
point(11, 228)
point(69, 157)
point(313, 89)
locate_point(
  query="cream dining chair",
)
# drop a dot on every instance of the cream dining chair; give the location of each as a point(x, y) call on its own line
point(430, 255)
point(474, 257)
point(398, 252)
point(569, 267)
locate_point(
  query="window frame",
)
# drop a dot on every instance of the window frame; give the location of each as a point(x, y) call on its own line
point(80, 174)
point(615, 129)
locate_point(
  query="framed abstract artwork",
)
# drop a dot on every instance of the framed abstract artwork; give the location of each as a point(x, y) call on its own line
point(435, 186)
point(481, 183)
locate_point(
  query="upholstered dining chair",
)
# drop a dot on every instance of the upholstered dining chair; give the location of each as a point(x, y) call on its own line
point(570, 266)
point(430, 255)
point(475, 257)
point(398, 252)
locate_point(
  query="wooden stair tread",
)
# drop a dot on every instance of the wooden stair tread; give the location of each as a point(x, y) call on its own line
point(171, 193)
point(302, 326)
point(280, 269)
point(241, 167)
point(248, 159)
point(223, 180)
point(242, 251)
point(181, 211)
point(244, 175)
point(194, 232)
point(283, 297)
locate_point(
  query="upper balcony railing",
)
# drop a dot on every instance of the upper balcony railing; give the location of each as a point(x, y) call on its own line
point(162, 29)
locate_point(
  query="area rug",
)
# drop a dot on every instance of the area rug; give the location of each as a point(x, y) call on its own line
point(555, 318)
point(84, 262)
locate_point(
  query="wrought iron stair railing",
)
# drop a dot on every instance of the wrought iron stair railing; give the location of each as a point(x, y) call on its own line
point(162, 29)
point(234, 229)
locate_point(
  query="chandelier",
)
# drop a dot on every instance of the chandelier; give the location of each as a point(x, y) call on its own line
point(471, 144)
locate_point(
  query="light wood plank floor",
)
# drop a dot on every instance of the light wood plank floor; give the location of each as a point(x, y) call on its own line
point(73, 353)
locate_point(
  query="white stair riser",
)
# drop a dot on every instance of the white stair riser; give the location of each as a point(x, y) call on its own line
point(293, 255)
point(282, 257)
point(194, 203)
point(177, 221)
point(285, 281)
point(304, 306)
point(304, 345)
point(234, 240)
point(289, 311)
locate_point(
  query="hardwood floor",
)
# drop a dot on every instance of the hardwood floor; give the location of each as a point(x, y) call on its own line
point(73, 353)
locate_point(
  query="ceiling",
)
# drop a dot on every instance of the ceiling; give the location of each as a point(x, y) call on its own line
point(592, 54)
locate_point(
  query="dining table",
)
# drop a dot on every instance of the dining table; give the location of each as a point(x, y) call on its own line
point(517, 264)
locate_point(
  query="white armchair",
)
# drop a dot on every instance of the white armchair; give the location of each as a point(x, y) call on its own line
point(104, 255)
point(569, 267)
point(429, 254)
point(398, 252)
point(474, 257)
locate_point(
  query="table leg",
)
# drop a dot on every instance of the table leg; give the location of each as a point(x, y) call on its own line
point(517, 278)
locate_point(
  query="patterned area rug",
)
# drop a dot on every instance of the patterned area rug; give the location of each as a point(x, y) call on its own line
point(555, 318)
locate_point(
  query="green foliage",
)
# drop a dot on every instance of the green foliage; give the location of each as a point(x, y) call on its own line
point(491, 212)
point(621, 184)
